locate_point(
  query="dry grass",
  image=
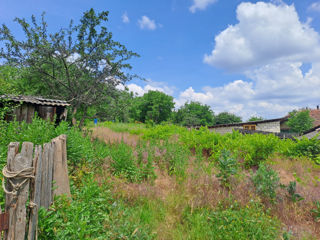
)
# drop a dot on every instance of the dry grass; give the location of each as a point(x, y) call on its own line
point(109, 136)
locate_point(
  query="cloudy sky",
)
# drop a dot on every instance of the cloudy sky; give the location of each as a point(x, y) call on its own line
point(257, 58)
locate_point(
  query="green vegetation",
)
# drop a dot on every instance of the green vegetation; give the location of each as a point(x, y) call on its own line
point(194, 114)
point(299, 121)
point(132, 191)
point(255, 118)
point(149, 178)
point(266, 182)
point(226, 118)
point(80, 63)
point(234, 222)
point(153, 106)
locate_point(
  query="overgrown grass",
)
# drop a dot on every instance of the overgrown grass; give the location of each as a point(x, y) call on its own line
point(168, 174)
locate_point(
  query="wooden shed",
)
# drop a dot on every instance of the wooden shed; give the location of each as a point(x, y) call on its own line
point(27, 106)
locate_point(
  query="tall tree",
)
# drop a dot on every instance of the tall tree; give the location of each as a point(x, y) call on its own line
point(226, 118)
point(81, 63)
point(255, 118)
point(194, 113)
point(299, 121)
point(154, 105)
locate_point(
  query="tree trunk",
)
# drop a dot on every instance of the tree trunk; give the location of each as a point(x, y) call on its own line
point(84, 116)
point(74, 120)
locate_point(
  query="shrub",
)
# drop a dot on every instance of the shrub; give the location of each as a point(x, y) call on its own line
point(257, 148)
point(305, 147)
point(266, 182)
point(291, 188)
point(227, 166)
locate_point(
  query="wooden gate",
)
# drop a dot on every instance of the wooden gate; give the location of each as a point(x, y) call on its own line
point(29, 176)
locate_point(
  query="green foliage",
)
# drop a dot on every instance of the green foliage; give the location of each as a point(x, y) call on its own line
point(255, 118)
point(154, 105)
point(305, 147)
point(316, 211)
point(80, 63)
point(257, 148)
point(291, 188)
point(94, 214)
point(8, 80)
point(226, 118)
point(193, 114)
point(299, 121)
point(233, 223)
point(123, 162)
point(227, 166)
point(266, 182)
point(161, 132)
point(176, 157)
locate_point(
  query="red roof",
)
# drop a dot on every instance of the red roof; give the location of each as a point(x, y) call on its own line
point(315, 115)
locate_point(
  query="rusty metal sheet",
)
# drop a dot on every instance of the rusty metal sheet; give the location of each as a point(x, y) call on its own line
point(4, 221)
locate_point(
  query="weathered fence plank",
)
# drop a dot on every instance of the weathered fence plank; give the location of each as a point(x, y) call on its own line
point(35, 195)
point(44, 171)
point(60, 173)
point(49, 198)
point(18, 188)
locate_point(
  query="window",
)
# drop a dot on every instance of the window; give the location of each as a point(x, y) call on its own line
point(249, 127)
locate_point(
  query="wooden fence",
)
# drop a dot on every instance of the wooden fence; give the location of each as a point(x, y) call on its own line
point(34, 176)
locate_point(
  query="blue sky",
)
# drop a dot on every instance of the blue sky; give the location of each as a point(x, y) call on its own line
point(247, 57)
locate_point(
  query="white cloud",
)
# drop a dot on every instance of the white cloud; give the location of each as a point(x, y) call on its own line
point(151, 86)
point(125, 18)
point(274, 90)
point(200, 5)
point(266, 33)
point(146, 23)
point(315, 7)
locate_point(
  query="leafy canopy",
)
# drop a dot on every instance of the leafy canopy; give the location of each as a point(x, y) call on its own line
point(80, 63)
point(226, 118)
point(299, 121)
point(255, 118)
point(152, 106)
point(194, 113)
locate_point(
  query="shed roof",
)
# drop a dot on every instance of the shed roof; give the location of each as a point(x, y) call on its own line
point(35, 100)
point(251, 123)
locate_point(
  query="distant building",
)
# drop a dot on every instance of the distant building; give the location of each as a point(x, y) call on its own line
point(270, 125)
point(29, 105)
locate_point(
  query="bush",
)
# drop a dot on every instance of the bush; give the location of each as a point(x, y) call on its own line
point(266, 182)
point(257, 148)
point(227, 166)
point(305, 148)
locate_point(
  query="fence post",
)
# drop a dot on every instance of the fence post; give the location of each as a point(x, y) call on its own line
point(60, 166)
point(35, 193)
point(17, 188)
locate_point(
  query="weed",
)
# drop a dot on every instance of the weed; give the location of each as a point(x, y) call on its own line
point(233, 223)
point(291, 188)
point(266, 182)
point(316, 211)
point(227, 166)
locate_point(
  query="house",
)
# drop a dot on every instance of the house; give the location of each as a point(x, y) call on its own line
point(270, 125)
point(315, 131)
point(27, 106)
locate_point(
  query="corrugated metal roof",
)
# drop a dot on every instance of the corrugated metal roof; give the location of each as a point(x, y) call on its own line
point(35, 100)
